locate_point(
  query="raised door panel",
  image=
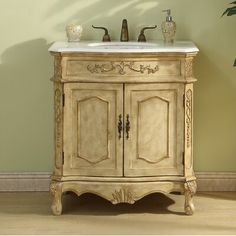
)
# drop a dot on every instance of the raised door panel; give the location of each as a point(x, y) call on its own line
point(154, 145)
point(92, 146)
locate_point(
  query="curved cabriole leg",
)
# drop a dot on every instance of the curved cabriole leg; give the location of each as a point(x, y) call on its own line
point(190, 189)
point(56, 192)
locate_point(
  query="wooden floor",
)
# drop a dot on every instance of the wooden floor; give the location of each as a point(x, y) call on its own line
point(29, 213)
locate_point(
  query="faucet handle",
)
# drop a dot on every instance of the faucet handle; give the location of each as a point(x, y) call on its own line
point(141, 37)
point(106, 36)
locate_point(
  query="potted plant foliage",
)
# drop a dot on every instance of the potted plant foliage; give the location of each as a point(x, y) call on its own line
point(229, 12)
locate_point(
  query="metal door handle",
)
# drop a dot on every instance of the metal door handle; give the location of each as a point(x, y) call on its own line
point(127, 126)
point(120, 126)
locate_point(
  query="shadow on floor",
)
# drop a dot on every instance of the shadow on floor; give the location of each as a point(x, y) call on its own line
point(39, 203)
point(90, 204)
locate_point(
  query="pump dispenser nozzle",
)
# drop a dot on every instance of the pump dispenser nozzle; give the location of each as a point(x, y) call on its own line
point(168, 17)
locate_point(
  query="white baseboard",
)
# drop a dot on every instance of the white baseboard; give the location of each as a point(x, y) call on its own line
point(39, 181)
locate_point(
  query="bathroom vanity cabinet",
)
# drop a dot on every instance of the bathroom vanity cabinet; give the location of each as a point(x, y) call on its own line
point(123, 122)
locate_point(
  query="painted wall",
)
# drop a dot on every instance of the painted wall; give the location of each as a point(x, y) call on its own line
point(29, 27)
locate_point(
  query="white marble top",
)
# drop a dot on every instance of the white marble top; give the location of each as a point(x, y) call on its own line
point(124, 47)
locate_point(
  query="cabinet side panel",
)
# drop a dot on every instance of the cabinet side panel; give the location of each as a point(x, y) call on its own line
point(58, 127)
point(188, 122)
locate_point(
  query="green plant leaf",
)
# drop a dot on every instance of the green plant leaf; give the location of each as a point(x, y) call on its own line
point(230, 11)
point(225, 12)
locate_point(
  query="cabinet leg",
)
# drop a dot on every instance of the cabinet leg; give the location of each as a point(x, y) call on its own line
point(190, 189)
point(56, 192)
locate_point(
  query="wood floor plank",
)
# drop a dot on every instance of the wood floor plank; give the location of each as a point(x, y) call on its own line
point(29, 213)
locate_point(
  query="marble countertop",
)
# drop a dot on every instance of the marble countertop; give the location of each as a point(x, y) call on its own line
point(124, 47)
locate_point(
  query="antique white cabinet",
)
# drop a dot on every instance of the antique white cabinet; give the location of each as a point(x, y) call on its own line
point(123, 122)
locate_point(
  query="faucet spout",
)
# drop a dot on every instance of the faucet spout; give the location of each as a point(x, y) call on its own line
point(124, 35)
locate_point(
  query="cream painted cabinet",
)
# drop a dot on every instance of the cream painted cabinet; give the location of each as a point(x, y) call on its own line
point(95, 128)
point(154, 144)
point(123, 125)
point(91, 143)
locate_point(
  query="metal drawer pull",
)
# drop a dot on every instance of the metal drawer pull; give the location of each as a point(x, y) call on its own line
point(120, 127)
point(127, 126)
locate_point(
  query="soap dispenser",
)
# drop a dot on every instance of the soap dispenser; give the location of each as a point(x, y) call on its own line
point(168, 28)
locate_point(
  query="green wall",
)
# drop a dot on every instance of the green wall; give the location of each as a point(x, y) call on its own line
point(29, 27)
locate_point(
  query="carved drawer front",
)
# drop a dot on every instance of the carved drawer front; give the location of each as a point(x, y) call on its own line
point(91, 142)
point(154, 145)
point(133, 68)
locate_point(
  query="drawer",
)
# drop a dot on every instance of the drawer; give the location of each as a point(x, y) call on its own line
point(118, 68)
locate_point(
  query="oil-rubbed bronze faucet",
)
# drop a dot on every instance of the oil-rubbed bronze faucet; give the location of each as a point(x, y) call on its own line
point(141, 37)
point(124, 35)
point(106, 37)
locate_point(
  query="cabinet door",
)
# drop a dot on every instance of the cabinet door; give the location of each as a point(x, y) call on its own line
point(154, 145)
point(92, 146)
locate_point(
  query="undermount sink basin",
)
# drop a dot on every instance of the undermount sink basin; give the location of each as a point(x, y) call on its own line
point(123, 45)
